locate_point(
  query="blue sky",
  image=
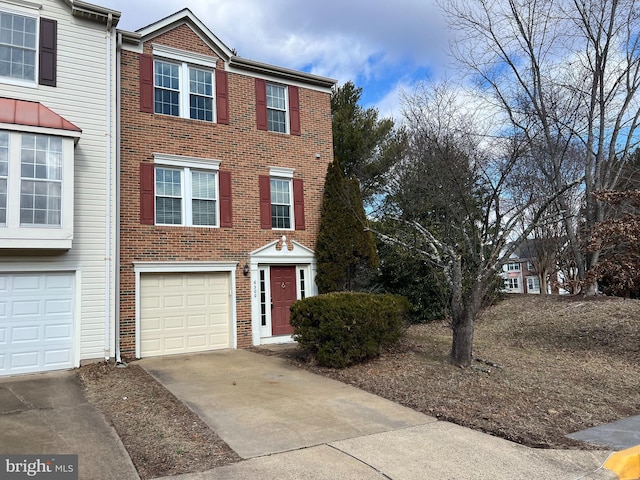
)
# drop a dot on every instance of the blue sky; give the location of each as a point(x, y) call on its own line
point(383, 47)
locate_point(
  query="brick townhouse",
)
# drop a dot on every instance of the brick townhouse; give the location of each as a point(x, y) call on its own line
point(222, 165)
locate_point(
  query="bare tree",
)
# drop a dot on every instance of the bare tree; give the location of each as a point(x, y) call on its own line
point(447, 198)
point(561, 71)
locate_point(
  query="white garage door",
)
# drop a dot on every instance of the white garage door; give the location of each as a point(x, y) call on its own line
point(183, 313)
point(36, 322)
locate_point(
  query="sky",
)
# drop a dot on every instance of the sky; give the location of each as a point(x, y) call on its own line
point(383, 47)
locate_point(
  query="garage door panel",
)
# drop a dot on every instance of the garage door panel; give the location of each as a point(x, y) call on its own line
point(36, 322)
point(197, 301)
point(195, 315)
point(197, 321)
point(26, 308)
point(57, 357)
point(57, 332)
point(174, 323)
point(24, 361)
point(27, 333)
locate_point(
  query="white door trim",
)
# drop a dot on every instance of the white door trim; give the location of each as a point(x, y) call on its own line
point(278, 252)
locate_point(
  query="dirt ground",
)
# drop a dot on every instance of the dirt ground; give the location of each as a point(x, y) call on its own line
point(162, 436)
point(545, 367)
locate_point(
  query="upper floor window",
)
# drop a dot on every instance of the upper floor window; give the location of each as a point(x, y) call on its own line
point(4, 175)
point(41, 180)
point(186, 197)
point(18, 47)
point(186, 191)
point(281, 207)
point(36, 190)
point(276, 108)
point(183, 91)
point(281, 200)
point(513, 267)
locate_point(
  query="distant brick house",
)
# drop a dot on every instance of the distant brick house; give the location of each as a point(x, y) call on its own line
point(222, 166)
point(519, 272)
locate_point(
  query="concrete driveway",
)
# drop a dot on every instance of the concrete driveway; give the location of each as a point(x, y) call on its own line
point(291, 424)
point(48, 414)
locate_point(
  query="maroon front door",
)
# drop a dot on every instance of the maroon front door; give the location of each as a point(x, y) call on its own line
point(283, 294)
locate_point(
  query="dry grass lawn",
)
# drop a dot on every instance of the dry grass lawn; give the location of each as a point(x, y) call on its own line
point(563, 364)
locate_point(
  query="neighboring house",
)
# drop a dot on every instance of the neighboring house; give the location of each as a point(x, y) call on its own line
point(519, 273)
point(57, 184)
point(222, 167)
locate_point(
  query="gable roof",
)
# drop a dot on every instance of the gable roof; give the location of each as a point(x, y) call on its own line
point(32, 114)
point(228, 55)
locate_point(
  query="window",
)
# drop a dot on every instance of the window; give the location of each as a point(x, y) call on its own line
point(513, 267)
point(18, 47)
point(181, 90)
point(188, 191)
point(303, 292)
point(36, 190)
point(263, 298)
point(40, 180)
point(280, 203)
point(281, 200)
point(511, 284)
point(186, 197)
point(276, 108)
point(4, 174)
point(531, 267)
point(533, 284)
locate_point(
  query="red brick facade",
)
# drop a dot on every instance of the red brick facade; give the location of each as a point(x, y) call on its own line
point(241, 149)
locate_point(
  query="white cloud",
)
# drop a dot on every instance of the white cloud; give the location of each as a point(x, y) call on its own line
point(355, 40)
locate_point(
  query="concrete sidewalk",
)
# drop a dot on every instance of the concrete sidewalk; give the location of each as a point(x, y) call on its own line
point(291, 424)
point(48, 414)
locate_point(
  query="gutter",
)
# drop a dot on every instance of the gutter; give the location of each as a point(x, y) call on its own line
point(117, 246)
point(108, 200)
point(280, 72)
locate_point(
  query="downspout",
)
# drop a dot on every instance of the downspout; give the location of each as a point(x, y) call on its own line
point(119, 361)
point(108, 216)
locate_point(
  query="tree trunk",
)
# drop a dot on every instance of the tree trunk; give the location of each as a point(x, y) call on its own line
point(462, 345)
point(544, 284)
point(463, 313)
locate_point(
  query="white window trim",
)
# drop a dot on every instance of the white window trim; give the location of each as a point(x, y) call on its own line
point(516, 268)
point(183, 56)
point(25, 9)
point(287, 127)
point(14, 235)
point(283, 173)
point(186, 165)
point(185, 60)
point(532, 279)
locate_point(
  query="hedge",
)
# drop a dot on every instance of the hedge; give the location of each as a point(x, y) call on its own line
point(341, 329)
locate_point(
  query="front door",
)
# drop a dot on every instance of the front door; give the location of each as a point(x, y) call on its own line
point(283, 294)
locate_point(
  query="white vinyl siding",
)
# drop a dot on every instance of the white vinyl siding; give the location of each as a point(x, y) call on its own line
point(80, 96)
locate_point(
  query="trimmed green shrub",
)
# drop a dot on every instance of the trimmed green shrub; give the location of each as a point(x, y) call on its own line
point(343, 328)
